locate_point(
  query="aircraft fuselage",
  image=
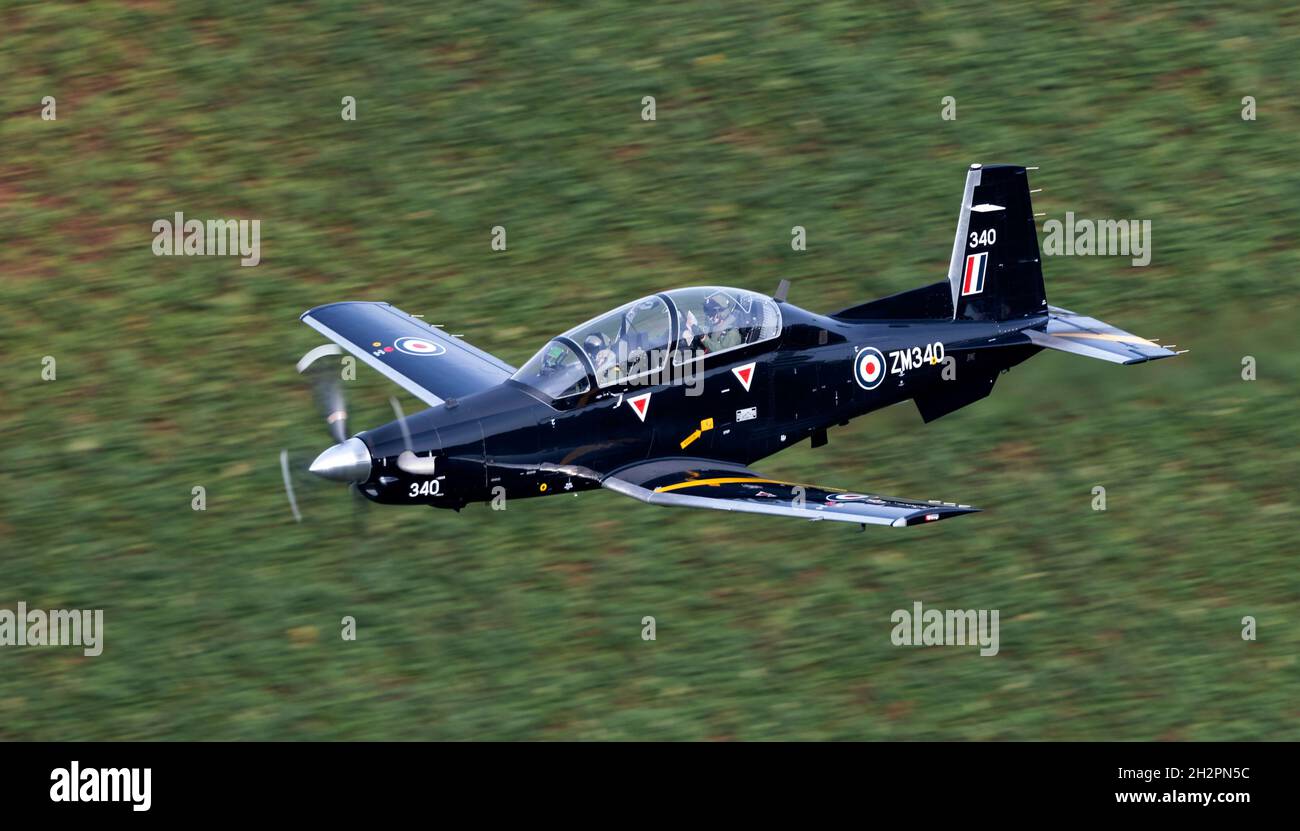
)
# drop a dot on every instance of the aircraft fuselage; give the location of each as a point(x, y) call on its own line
point(508, 442)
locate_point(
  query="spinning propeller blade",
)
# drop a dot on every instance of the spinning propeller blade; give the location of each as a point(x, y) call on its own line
point(348, 459)
point(328, 387)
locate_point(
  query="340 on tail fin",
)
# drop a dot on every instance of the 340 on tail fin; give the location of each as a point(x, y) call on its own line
point(995, 272)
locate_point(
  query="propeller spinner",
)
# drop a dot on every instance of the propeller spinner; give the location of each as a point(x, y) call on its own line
point(347, 461)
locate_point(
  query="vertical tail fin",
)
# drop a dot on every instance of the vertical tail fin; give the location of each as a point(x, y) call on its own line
point(995, 273)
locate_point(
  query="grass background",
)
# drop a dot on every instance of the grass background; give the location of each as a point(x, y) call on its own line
point(176, 372)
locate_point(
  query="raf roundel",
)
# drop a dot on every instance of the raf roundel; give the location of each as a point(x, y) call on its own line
point(419, 346)
point(869, 368)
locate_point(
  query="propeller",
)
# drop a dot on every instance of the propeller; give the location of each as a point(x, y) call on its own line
point(328, 388)
point(304, 490)
point(348, 459)
point(288, 485)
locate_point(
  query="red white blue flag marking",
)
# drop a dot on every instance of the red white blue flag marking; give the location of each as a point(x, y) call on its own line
point(976, 266)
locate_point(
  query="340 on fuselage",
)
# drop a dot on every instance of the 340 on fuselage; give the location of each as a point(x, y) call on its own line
point(669, 398)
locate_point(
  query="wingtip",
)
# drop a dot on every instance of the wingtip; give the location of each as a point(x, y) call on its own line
point(939, 512)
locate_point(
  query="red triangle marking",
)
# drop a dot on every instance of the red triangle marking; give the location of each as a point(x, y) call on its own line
point(640, 405)
point(745, 374)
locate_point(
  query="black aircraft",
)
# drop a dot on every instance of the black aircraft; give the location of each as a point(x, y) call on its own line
point(671, 397)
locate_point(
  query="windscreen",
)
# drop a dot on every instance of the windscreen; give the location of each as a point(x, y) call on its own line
point(556, 371)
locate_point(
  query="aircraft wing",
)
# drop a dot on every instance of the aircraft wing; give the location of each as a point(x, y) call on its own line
point(421, 359)
point(703, 483)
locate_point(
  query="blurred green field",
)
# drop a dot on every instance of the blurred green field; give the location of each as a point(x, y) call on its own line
point(175, 372)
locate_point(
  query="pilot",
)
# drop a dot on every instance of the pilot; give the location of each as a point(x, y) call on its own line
point(723, 331)
point(602, 359)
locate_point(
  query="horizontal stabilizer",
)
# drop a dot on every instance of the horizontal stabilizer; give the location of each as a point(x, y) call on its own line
point(1066, 331)
point(704, 483)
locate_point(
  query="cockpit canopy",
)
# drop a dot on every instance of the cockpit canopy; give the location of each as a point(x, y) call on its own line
point(635, 341)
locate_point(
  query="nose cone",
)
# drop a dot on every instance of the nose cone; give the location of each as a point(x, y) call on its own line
point(347, 461)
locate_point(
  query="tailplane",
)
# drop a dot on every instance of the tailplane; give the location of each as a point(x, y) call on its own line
point(1066, 331)
point(995, 273)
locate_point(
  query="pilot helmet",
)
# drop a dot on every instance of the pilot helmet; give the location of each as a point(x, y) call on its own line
point(593, 343)
point(717, 306)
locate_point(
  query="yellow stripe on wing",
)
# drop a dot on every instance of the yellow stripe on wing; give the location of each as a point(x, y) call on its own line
point(732, 480)
point(1101, 336)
